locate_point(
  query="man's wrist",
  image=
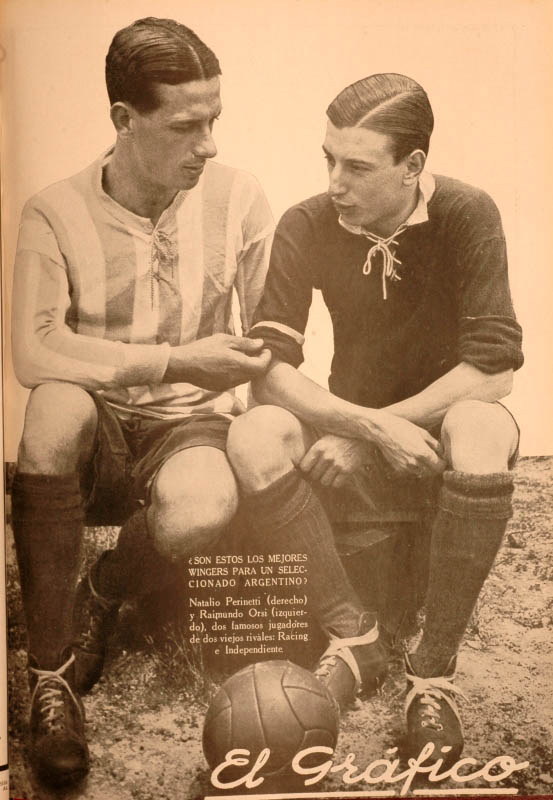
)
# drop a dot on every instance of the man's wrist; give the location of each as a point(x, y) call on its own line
point(369, 423)
point(179, 365)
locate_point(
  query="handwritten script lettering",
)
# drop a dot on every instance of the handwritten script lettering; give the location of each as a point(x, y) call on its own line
point(382, 770)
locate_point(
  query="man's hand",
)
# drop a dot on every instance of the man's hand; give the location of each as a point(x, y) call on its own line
point(332, 459)
point(217, 362)
point(408, 449)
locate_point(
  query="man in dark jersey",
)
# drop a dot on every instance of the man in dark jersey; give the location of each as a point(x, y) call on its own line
point(413, 270)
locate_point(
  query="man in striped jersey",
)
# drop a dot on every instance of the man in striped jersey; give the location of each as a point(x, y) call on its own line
point(122, 329)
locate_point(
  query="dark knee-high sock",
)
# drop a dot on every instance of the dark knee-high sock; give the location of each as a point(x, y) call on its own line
point(134, 567)
point(47, 515)
point(467, 533)
point(289, 515)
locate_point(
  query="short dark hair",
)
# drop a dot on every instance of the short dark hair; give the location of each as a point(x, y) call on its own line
point(151, 51)
point(387, 103)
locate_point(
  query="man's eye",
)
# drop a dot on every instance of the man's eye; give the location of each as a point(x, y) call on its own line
point(328, 158)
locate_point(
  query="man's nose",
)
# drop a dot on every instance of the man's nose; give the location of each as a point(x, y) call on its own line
point(205, 147)
point(336, 185)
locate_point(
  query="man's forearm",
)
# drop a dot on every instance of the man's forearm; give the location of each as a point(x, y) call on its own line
point(87, 361)
point(45, 349)
point(463, 382)
point(406, 446)
point(284, 386)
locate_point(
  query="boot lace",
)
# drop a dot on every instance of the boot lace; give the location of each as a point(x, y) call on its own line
point(431, 693)
point(340, 649)
point(48, 695)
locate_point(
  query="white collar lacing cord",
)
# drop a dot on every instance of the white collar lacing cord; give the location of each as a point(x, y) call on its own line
point(388, 258)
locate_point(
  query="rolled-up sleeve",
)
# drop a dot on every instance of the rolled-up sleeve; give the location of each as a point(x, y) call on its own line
point(490, 337)
point(281, 317)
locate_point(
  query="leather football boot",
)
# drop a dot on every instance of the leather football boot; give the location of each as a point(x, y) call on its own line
point(94, 619)
point(353, 665)
point(58, 750)
point(432, 716)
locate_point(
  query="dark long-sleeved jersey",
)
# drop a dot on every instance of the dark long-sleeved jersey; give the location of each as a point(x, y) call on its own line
point(449, 303)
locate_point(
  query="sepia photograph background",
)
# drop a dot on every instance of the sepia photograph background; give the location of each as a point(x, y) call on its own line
point(487, 67)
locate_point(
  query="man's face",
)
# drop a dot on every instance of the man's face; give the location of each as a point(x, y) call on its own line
point(365, 185)
point(171, 144)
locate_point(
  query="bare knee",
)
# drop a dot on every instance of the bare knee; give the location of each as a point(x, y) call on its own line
point(264, 444)
point(59, 429)
point(478, 437)
point(191, 505)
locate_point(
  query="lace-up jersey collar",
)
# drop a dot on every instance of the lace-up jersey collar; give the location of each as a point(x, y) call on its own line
point(381, 244)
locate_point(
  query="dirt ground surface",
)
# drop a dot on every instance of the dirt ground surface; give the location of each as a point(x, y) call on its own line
point(145, 717)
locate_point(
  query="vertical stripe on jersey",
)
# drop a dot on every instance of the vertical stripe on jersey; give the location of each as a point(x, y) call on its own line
point(191, 245)
point(81, 244)
point(166, 253)
point(221, 314)
point(120, 268)
point(220, 259)
point(145, 310)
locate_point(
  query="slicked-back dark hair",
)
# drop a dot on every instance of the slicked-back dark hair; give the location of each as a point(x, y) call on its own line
point(387, 103)
point(152, 51)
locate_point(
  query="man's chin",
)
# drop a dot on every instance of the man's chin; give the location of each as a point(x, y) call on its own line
point(353, 216)
point(189, 182)
point(188, 178)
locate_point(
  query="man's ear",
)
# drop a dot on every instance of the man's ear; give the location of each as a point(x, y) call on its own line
point(414, 165)
point(121, 117)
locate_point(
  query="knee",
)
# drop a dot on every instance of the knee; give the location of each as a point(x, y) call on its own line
point(264, 443)
point(478, 437)
point(59, 429)
point(189, 516)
